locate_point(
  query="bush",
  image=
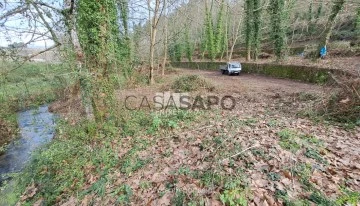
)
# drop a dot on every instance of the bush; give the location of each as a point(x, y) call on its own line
point(344, 104)
point(191, 83)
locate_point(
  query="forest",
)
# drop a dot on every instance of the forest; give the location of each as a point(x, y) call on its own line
point(133, 102)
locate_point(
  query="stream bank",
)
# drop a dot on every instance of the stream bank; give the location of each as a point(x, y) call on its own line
point(37, 127)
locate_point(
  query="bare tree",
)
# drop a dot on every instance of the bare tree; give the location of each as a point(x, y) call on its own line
point(165, 39)
point(154, 17)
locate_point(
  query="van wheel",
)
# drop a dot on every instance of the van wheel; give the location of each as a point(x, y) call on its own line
point(223, 71)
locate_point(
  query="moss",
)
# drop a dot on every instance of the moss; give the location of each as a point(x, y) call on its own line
point(302, 73)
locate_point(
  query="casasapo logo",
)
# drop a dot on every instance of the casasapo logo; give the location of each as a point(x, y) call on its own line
point(184, 101)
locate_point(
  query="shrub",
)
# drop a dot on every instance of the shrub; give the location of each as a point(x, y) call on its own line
point(344, 104)
point(191, 83)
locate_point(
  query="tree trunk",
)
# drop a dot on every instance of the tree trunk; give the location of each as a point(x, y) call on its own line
point(338, 5)
point(153, 30)
point(75, 44)
point(165, 40)
point(257, 27)
point(248, 29)
point(235, 38)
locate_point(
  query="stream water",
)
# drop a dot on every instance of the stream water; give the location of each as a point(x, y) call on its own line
point(37, 127)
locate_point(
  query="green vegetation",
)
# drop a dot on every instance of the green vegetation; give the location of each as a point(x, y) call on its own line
point(288, 140)
point(253, 23)
point(189, 46)
point(302, 73)
point(293, 142)
point(209, 32)
point(336, 8)
point(248, 27)
point(84, 157)
point(277, 15)
point(114, 156)
point(220, 27)
point(357, 22)
point(176, 51)
point(233, 198)
point(190, 83)
point(31, 85)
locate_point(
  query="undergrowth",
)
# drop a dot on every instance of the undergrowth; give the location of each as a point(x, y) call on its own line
point(81, 158)
point(343, 105)
point(191, 83)
point(31, 85)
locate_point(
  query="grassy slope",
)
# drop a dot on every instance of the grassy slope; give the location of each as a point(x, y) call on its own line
point(30, 85)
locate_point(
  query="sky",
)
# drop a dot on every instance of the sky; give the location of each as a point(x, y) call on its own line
point(20, 28)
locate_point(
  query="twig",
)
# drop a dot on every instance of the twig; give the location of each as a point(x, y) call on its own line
point(237, 154)
point(358, 95)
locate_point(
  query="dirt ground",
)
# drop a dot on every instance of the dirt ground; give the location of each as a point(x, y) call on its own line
point(265, 151)
point(266, 108)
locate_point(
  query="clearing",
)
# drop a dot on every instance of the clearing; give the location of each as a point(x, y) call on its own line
point(264, 152)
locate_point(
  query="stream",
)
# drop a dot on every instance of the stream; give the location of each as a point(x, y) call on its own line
point(37, 127)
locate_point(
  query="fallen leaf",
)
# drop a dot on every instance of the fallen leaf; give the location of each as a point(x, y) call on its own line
point(71, 202)
point(29, 192)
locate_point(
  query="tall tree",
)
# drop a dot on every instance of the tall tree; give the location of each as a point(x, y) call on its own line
point(72, 37)
point(249, 7)
point(210, 39)
point(154, 16)
point(357, 23)
point(257, 27)
point(165, 39)
point(319, 11)
point(219, 32)
point(235, 30)
point(98, 33)
point(189, 47)
point(336, 8)
point(276, 10)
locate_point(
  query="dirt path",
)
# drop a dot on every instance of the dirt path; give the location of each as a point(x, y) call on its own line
point(254, 84)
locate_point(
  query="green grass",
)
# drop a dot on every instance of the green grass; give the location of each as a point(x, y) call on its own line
point(30, 85)
point(35, 82)
point(63, 167)
point(288, 140)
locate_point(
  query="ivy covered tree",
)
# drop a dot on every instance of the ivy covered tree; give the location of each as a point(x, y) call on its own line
point(336, 8)
point(219, 32)
point(176, 52)
point(278, 29)
point(124, 40)
point(98, 33)
point(357, 23)
point(310, 18)
point(319, 11)
point(209, 32)
point(252, 27)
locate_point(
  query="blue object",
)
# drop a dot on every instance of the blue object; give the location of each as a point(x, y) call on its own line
point(323, 52)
